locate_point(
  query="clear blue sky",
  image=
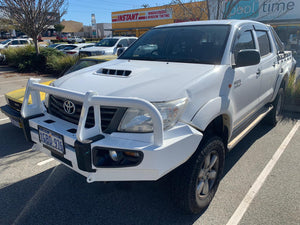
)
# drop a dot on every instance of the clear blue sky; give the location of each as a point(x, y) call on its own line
point(81, 10)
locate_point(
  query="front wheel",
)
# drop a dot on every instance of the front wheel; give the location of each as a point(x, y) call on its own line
point(196, 182)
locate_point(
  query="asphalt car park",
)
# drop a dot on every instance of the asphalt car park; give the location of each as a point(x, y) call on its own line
point(261, 183)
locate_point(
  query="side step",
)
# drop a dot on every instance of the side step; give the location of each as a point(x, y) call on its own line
point(239, 137)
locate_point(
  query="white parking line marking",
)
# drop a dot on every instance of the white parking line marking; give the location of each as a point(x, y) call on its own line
point(4, 82)
point(4, 119)
point(242, 208)
point(45, 162)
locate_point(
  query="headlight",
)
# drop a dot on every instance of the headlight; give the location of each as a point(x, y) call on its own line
point(46, 101)
point(136, 120)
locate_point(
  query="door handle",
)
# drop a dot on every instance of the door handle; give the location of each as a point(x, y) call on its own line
point(258, 72)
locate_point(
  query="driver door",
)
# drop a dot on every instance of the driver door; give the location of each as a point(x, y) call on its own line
point(246, 85)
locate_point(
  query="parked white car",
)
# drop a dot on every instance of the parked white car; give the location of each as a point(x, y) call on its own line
point(74, 39)
point(108, 46)
point(74, 49)
point(18, 42)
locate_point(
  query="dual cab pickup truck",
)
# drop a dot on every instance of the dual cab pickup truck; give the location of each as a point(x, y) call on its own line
point(177, 100)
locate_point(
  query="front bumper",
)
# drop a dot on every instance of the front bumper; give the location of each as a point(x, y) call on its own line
point(14, 115)
point(162, 151)
point(179, 144)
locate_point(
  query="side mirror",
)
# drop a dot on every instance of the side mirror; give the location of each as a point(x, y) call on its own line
point(247, 57)
point(119, 46)
point(120, 51)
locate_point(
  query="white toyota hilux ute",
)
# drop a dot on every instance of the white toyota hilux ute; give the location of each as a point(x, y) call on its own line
point(176, 100)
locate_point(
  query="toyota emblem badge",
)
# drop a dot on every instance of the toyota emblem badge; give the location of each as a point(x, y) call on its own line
point(69, 107)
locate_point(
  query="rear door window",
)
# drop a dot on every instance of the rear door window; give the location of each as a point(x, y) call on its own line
point(23, 42)
point(264, 43)
point(15, 42)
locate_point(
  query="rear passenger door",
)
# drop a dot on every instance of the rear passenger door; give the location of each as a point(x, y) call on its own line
point(269, 66)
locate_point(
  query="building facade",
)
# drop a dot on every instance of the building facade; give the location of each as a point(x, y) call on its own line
point(137, 21)
point(283, 15)
point(99, 30)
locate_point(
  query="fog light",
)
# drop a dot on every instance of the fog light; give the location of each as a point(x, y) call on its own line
point(105, 158)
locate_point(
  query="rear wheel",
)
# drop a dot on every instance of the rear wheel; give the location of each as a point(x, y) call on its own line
point(275, 114)
point(196, 182)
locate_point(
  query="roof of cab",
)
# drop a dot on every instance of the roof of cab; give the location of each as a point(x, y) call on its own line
point(211, 22)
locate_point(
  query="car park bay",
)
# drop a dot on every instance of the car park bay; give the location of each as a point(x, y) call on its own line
point(34, 188)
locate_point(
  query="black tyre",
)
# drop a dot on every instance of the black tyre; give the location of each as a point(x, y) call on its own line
point(275, 114)
point(196, 182)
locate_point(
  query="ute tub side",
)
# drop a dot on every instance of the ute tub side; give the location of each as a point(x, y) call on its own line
point(285, 60)
point(161, 151)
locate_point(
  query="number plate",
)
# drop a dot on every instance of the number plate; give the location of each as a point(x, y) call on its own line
point(52, 140)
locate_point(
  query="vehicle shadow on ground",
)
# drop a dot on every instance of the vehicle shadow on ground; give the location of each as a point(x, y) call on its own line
point(12, 140)
point(259, 131)
point(65, 198)
point(61, 196)
point(14, 198)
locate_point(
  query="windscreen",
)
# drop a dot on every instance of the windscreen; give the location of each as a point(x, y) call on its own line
point(61, 47)
point(188, 44)
point(53, 45)
point(82, 64)
point(70, 47)
point(4, 42)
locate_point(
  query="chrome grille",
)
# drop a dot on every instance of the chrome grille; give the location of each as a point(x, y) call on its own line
point(108, 114)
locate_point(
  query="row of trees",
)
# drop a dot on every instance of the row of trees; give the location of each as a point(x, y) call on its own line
point(32, 17)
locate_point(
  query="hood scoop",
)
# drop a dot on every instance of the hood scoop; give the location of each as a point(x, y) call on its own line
point(105, 71)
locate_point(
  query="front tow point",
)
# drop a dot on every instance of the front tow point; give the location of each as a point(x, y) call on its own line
point(90, 179)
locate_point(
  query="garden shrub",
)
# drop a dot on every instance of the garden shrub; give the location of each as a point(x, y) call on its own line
point(59, 65)
point(292, 91)
point(50, 61)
